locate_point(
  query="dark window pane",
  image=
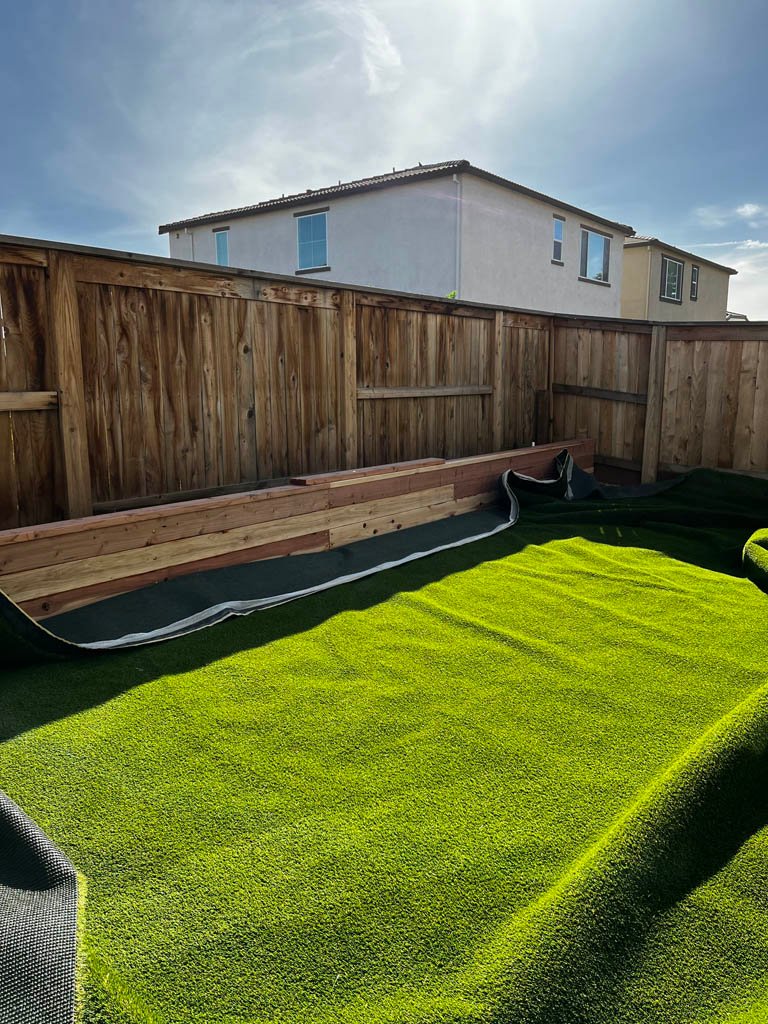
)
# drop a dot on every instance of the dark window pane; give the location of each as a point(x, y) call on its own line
point(584, 247)
point(318, 254)
point(557, 253)
point(318, 228)
point(305, 255)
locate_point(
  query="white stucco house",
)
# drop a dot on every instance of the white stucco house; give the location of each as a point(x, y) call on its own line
point(434, 229)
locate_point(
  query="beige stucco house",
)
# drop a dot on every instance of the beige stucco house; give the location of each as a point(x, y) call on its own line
point(662, 282)
point(448, 229)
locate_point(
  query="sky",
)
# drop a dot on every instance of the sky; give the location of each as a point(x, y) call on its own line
point(117, 117)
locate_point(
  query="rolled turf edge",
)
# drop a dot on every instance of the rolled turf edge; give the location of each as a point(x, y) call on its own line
point(562, 959)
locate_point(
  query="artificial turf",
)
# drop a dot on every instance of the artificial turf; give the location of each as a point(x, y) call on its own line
point(520, 781)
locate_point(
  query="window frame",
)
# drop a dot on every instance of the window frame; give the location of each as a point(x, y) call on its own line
point(695, 272)
point(224, 233)
point(559, 261)
point(298, 217)
point(663, 297)
point(586, 231)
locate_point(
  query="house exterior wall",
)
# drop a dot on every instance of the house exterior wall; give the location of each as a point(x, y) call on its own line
point(641, 292)
point(506, 254)
point(460, 232)
point(403, 238)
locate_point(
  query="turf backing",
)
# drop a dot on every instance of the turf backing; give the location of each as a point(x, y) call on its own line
point(517, 781)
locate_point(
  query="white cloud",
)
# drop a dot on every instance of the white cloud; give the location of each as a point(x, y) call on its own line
point(711, 216)
point(749, 210)
point(755, 214)
point(747, 243)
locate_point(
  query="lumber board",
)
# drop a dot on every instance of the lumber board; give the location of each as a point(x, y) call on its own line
point(729, 331)
point(103, 536)
point(343, 477)
point(98, 270)
point(369, 394)
point(93, 569)
point(445, 307)
point(23, 256)
point(375, 526)
point(68, 361)
point(28, 401)
point(605, 394)
point(67, 600)
point(298, 295)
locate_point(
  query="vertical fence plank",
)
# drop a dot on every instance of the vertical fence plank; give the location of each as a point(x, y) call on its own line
point(348, 380)
point(497, 382)
point(68, 361)
point(655, 404)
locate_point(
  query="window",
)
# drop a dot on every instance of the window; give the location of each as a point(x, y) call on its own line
point(671, 280)
point(312, 239)
point(221, 236)
point(558, 232)
point(694, 283)
point(595, 256)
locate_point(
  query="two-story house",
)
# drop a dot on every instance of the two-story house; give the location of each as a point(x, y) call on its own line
point(662, 282)
point(438, 229)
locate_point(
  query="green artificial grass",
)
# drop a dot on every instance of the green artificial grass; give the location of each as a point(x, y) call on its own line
point(521, 781)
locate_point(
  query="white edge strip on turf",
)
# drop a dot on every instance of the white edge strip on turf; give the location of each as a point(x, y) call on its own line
point(226, 609)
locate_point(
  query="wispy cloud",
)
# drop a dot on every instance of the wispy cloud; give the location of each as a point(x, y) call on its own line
point(755, 214)
point(747, 291)
point(747, 243)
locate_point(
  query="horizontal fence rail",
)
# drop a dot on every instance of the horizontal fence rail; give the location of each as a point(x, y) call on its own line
point(126, 381)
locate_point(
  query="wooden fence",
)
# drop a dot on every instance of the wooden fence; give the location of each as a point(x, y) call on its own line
point(125, 380)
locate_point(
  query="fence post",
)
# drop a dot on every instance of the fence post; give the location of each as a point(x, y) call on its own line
point(348, 380)
point(654, 408)
point(497, 383)
point(64, 321)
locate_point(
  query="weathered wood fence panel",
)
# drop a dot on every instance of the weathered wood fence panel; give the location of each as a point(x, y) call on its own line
point(599, 386)
point(715, 409)
point(128, 380)
point(30, 482)
point(422, 384)
point(191, 391)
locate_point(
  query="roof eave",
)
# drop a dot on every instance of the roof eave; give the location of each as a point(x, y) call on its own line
point(640, 242)
point(459, 167)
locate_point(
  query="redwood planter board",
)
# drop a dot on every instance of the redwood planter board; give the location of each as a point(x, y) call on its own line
point(134, 577)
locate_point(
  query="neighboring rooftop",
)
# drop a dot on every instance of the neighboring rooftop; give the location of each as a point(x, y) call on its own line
point(379, 181)
point(650, 240)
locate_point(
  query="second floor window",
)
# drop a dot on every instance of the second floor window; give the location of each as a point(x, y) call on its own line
point(595, 256)
point(671, 279)
point(222, 247)
point(558, 232)
point(694, 283)
point(312, 237)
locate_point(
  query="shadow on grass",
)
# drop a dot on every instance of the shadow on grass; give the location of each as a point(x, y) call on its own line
point(31, 696)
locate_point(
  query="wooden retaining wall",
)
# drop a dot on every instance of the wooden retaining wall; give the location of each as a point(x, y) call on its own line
point(58, 566)
point(129, 380)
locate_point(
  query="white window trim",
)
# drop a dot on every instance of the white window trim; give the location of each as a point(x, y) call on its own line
point(556, 218)
point(322, 266)
point(216, 233)
point(663, 295)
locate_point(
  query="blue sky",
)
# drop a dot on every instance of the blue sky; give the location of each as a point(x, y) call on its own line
point(119, 116)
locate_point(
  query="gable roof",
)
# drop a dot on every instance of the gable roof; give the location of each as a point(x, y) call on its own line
point(650, 240)
point(379, 181)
